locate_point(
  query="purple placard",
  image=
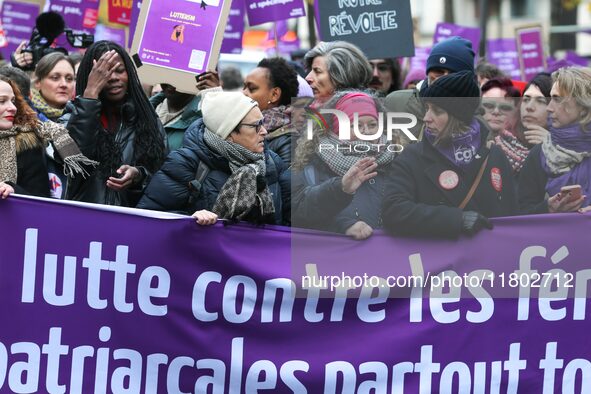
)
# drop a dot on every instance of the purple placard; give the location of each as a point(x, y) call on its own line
point(232, 42)
point(502, 52)
point(445, 30)
point(80, 15)
point(573, 57)
point(18, 21)
point(530, 46)
point(135, 13)
point(262, 11)
point(114, 34)
point(419, 60)
point(179, 34)
point(140, 304)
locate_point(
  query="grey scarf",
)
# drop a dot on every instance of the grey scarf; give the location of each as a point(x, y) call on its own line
point(245, 189)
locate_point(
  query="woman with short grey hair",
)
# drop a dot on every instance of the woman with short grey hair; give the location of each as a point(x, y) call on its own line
point(336, 66)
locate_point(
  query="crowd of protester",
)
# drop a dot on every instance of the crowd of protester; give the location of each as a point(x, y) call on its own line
point(256, 148)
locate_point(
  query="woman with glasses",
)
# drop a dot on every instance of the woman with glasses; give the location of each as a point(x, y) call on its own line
point(499, 101)
point(223, 169)
point(563, 158)
point(339, 184)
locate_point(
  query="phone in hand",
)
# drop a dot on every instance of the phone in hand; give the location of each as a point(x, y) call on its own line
point(571, 192)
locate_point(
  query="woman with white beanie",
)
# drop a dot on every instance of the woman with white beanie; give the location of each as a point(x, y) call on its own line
point(223, 170)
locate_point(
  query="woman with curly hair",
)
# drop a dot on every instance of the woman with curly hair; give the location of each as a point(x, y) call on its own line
point(338, 185)
point(22, 146)
point(113, 122)
point(273, 84)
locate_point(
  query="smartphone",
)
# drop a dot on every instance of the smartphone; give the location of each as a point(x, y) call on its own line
point(571, 192)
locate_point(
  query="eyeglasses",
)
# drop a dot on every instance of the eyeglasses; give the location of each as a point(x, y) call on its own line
point(491, 106)
point(257, 126)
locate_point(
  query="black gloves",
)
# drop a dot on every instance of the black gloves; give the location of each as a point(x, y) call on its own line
point(473, 222)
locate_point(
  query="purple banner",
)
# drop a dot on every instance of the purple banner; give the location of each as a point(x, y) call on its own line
point(142, 304)
point(79, 15)
point(114, 34)
point(135, 13)
point(502, 52)
point(18, 21)
point(234, 29)
point(530, 46)
point(419, 60)
point(445, 30)
point(263, 11)
point(573, 57)
point(179, 34)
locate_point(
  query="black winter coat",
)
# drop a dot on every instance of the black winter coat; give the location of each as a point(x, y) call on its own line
point(283, 143)
point(32, 176)
point(319, 201)
point(532, 184)
point(169, 188)
point(82, 118)
point(416, 204)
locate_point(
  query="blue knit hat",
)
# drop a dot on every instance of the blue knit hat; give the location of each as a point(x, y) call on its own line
point(454, 54)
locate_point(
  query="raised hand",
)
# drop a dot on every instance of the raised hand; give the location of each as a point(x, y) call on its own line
point(101, 73)
point(360, 172)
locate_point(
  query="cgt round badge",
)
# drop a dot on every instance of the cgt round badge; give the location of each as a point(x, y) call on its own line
point(448, 179)
point(496, 179)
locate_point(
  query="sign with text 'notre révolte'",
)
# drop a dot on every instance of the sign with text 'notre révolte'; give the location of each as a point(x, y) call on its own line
point(381, 28)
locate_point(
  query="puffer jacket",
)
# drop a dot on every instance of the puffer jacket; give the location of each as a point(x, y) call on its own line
point(170, 190)
point(175, 129)
point(319, 201)
point(82, 118)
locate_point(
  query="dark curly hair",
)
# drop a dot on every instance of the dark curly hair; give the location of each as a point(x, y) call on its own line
point(148, 143)
point(25, 115)
point(282, 76)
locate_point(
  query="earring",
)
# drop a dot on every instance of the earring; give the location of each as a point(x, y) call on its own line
point(269, 102)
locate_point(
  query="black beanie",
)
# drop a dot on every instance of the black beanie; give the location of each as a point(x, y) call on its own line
point(453, 54)
point(457, 93)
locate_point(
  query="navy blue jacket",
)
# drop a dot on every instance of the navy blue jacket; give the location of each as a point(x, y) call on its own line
point(169, 188)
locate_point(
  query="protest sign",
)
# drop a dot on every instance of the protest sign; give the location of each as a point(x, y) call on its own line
point(232, 42)
point(119, 302)
point(120, 11)
point(502, 52)
point(80, 15)
point(530, 46)
point(135, 13)
point(263, 11)
point(381, 29)
point(419, 60)
point(180, 36)
point(115, 34)
point(18, 22)
point(445, 30)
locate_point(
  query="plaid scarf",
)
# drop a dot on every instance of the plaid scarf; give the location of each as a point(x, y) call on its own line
point(42, 106)
point(246, 188)
point(341, 159)
point(74, 160)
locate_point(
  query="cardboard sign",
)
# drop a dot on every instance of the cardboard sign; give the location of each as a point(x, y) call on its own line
point(234, 29)
point(382, 29)
point(502, 52)
point(120, 11)
point(18, 22)
point(135, 14)
point(445, 30)
point(530, 47)
point(177, 39)
point(263, 11)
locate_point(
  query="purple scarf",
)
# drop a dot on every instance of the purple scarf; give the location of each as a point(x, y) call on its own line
point(575, 139)
point(462, 148)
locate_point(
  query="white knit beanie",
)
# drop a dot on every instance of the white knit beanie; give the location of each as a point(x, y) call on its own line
point(222, 111)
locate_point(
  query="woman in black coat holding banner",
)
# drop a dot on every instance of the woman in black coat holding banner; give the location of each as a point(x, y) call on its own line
point(450, 183)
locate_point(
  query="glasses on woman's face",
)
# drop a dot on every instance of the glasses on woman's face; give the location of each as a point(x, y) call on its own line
point(490, 106)
point(257, 126)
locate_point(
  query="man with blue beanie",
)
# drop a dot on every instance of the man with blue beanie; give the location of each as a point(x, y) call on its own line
point(448, 56)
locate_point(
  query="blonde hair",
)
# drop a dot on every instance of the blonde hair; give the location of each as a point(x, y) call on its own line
point(575, 82)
